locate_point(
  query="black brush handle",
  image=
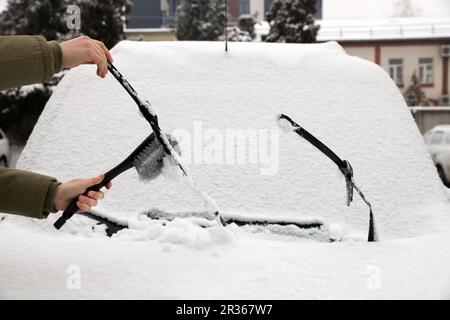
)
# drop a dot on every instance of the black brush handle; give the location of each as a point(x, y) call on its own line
point(151, 118)
point(109, 176)
point(72, 208)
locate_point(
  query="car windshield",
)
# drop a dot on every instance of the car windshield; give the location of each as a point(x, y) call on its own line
point(437, 137)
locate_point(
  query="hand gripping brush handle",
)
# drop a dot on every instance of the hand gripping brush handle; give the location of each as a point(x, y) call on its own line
point(146, 158)
point(343, 165)
point(72, 208)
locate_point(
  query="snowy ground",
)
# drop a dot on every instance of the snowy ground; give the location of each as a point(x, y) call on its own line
point(247, 267)
point(349, 103)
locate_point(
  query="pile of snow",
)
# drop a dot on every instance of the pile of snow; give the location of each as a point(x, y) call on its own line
point(247, 268)
point(205, 96)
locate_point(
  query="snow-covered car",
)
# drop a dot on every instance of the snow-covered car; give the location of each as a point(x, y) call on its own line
point(4, 150)
point(438, 142)
point(225, 121)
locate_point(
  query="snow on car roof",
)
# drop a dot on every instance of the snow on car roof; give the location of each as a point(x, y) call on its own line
point(3, 5)
point(211, 99)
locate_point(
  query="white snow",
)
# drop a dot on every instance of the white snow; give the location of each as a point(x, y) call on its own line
point(285, 125)
point(3, 4)
point(382, 9)
point(363, 120)
point(90, 124)
point(170, 170)
point(36, 266)
point(375, 29)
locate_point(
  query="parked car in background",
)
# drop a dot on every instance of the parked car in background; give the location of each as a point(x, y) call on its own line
point(438, 142)
point(5, 155)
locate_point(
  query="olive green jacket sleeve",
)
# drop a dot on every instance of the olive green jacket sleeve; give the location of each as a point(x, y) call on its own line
point(27, 60)
point(26, 193)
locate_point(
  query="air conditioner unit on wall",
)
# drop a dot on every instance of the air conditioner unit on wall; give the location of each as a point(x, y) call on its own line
point(444, 100)
point(445, 50)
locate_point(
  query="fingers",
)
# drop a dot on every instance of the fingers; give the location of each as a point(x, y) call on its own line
point(86, 203)
point(86, 183)
point(105, 50)
point(84, 50)
point(100, 60)
point(106, 56)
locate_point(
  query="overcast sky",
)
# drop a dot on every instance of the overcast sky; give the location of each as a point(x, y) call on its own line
point(362, 9)
point(2, 5)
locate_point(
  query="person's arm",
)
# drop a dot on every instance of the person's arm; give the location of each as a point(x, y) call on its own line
point(27, 59)
point(36, 196)
point(26, 193)
point(31, 59)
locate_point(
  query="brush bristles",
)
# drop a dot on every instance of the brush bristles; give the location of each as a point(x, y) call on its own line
point(149, 161)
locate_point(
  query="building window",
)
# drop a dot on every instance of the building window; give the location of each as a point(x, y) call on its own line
point(396, 70)
point(173, 5)
point(244, 6)
point(426, 70)
point(437, 137)
point(318, 14)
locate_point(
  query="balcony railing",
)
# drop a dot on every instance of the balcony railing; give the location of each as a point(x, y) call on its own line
point(385, 31)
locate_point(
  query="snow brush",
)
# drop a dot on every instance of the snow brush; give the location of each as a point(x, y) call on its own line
point(151, 117)
point(287, 124)
point(147, 159)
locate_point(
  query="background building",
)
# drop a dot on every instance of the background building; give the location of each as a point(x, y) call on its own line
point(401, 46)
point(152, 20)
point(155, 20)
point(402, 36)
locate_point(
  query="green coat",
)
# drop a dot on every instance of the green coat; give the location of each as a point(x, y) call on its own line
point(27, 60)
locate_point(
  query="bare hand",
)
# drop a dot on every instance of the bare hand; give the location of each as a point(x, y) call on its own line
point(70, 190)
point(84, 50)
